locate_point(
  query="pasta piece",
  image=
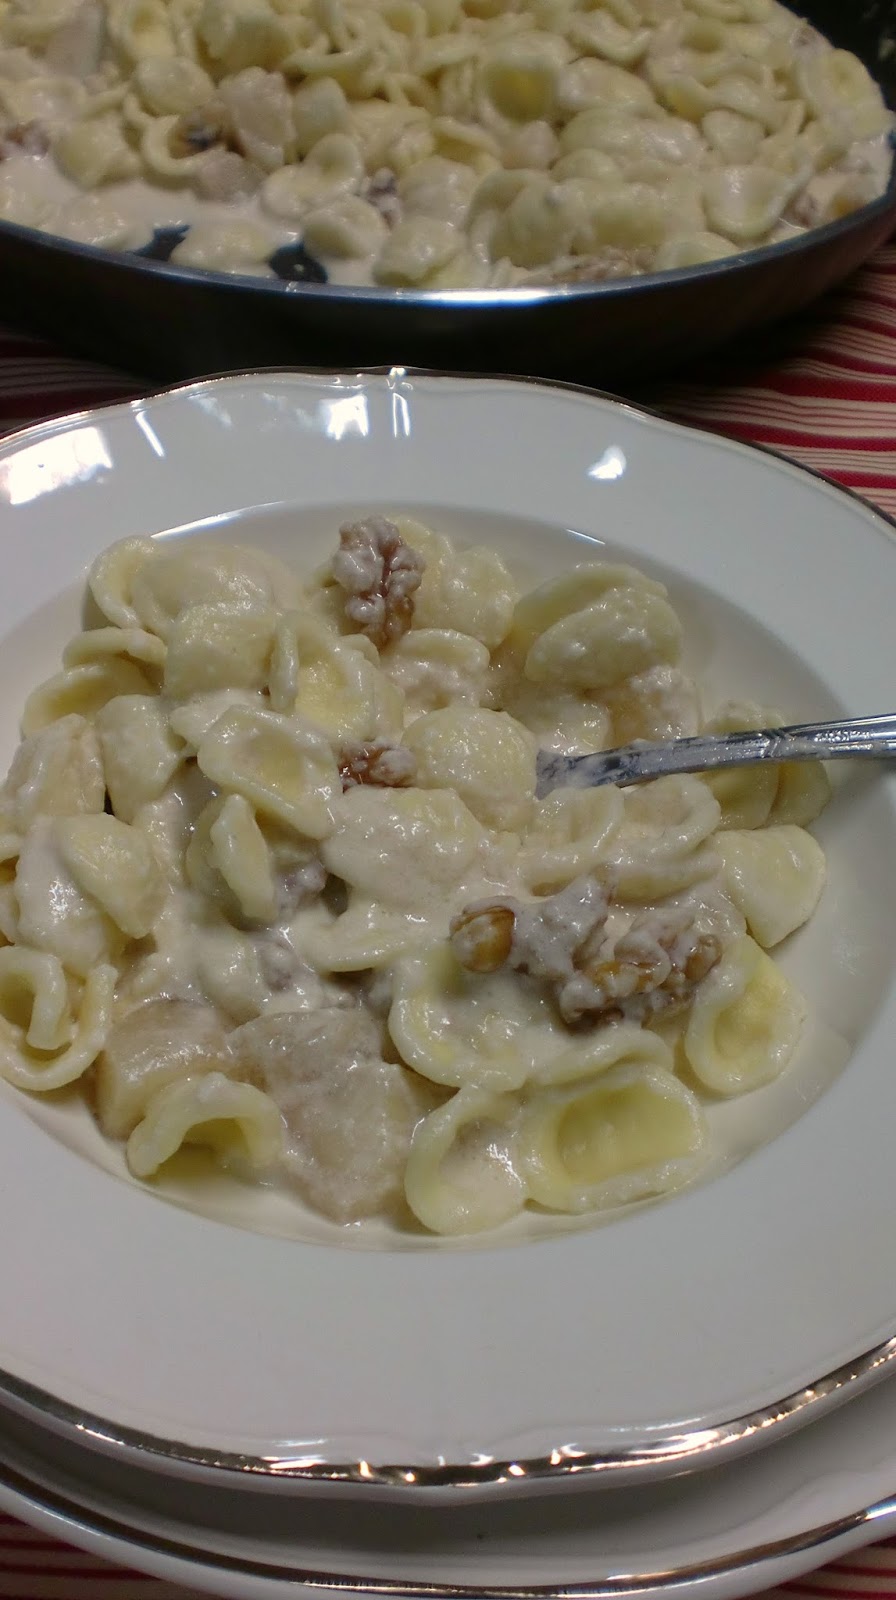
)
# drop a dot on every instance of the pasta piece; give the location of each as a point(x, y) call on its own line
point(283, 765)
point(745, 1022)
point(331, 684)
point(347, 227)
point(171, 85)
point(192, 572)
point(213, 647)
point(114, 865)
point(834, 83)
point(631, 139)
point(589, 82)
point(158, 1043)
point(241, 1125)
point(693, 250)
point(436, 667)
point(191, 721)
point(563, 597)
point(104, 644)
point(168, 821)
point(330, 170)
point(661, 703)
point(167, 156)
point(803, 791)
point(319, 107)
point(662, 843)
point(244, 974)
point(745, 202)
point(485, 757)
point(777, 792)
point(490, 1030)
point(94, 151)
point(55, 914)
point(257, 107)
point(140, 752)
point(241, 33)
point(237, 245)
point(633, 1133)
point(462, 1175)
point(775, 876)
point(141, 29)
point(404, 848)
point(736, 138)
point(32, 1015)
point(365, 937)
point(228, 860)
point(57, 772)
point(746, 795)
point(34, 996)
point(569, 836)
point(111, 579)
point(571, 723)
point(469, 591)
point(602, 34)
point(415, 250)
point(626, 632)
point(82, 691)
point(437, 188)
point(521, 76)
point(93, 220)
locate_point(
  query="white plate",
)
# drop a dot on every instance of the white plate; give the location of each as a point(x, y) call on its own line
point(742, 1527)
point(703, 1325)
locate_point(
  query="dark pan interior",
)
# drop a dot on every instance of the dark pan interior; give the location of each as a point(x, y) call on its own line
point(165, 323)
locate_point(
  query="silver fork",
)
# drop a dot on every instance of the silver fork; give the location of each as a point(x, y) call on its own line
point(858, 738)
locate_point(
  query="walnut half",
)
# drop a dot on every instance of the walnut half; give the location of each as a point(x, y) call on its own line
point(380, 575)
point(482, 936)
point(653, 968)
point(388, 766)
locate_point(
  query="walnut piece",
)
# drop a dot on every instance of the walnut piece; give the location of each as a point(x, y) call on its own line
point(387, 765)
point(482, 936)
point(380, 575)
point(653, 967)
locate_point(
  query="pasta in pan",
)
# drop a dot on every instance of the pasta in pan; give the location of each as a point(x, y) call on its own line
point(432, 143)
point(276, 881)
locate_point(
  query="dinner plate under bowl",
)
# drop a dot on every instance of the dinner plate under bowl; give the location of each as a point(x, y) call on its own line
point(227, 1335)
point(740, 1528)
point(168, 322)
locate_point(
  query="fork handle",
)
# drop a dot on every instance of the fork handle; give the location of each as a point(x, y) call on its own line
point(810, 741)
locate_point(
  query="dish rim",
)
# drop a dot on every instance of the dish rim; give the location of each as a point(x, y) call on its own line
point(856, 1528)
point(669, 1453)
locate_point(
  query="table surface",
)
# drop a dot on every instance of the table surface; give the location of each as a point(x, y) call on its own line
point(821, 390)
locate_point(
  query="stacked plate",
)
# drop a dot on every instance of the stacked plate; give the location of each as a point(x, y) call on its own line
point(197, 1380)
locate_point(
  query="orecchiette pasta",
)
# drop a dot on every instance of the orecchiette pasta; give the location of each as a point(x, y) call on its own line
point(634, 1132)
point(274, 879)
point(465, 144)
point(239, 1122)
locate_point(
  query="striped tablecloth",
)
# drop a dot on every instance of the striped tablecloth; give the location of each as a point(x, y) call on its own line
point(822, 390)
